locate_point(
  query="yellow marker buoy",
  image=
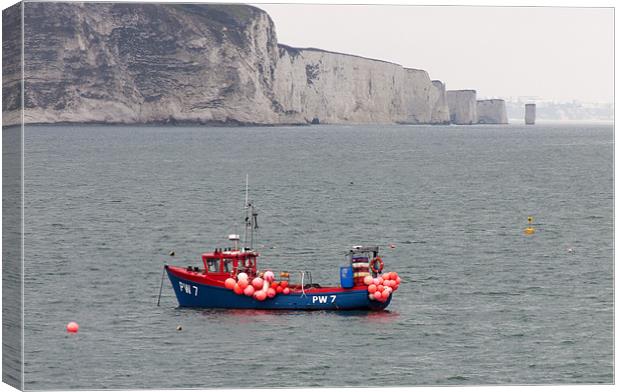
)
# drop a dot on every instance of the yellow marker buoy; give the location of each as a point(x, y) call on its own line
point(529, 230)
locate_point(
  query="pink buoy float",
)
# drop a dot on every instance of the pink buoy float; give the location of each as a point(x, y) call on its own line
point(230, 283)
point(269, 276)
point(260, 295)
point(73, 327)
point(249, 291)
point(257, 283)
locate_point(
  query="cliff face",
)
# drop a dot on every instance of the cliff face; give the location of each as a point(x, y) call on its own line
point(441, 112)
point(462, 106)
point(11, 65)
point(204, 63)
point(492, 111)
point(426, 99)
point(329, 87)
point(147, 62)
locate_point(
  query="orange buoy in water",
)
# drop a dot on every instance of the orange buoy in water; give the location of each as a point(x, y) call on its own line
point(73, 327)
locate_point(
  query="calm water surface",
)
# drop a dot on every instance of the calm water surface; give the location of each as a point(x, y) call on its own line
point(480, 303)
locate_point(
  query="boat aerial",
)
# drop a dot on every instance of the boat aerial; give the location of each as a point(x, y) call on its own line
point(230, 278)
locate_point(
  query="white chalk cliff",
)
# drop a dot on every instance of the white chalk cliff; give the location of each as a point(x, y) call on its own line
point(329, 87)
point(491, 111)
point(463, 106)
point(201, 63)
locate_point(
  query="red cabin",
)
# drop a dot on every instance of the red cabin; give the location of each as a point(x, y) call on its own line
point(221, 264)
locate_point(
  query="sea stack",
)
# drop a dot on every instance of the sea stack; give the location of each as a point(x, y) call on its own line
point(462, 106)
point(530, 113)
point(491, 111)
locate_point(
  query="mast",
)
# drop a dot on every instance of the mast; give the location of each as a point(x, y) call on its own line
point(247, 217)
point(252, 224)
point(247, 189)
point(251, 218)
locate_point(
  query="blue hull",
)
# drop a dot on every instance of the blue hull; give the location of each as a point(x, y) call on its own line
point(197, 295)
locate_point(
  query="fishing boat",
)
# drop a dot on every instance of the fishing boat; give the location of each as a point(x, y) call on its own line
point(230, 278)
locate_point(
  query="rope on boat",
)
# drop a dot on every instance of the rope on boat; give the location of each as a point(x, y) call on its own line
point(272, 215)
point(161, 285)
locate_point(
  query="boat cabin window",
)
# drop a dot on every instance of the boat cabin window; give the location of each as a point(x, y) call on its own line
point(249, 262)
point(227, 265)
point(213, 265)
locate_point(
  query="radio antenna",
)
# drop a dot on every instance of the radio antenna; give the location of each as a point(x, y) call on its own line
point(247, 190)
point(251, 217)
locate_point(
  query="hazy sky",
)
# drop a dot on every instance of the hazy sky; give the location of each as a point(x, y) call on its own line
point(543, 52)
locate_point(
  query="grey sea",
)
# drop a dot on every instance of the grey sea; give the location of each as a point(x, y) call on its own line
point(480, 302)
